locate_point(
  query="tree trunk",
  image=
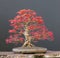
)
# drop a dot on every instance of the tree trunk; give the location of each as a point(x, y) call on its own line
point(28, 39)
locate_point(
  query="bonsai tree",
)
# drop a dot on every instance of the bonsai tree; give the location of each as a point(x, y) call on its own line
point(27, 23)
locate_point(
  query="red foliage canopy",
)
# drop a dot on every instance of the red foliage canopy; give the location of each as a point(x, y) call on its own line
point(35, 25)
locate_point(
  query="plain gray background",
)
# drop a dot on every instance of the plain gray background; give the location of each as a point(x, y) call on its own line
point(48, 9)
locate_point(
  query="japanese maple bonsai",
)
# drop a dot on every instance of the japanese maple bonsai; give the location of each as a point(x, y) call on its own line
point(27, 23)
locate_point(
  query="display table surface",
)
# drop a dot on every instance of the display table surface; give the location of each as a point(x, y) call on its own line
point(14, 55)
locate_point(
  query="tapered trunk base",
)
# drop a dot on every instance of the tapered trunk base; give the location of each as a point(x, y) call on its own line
point(28, 44)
